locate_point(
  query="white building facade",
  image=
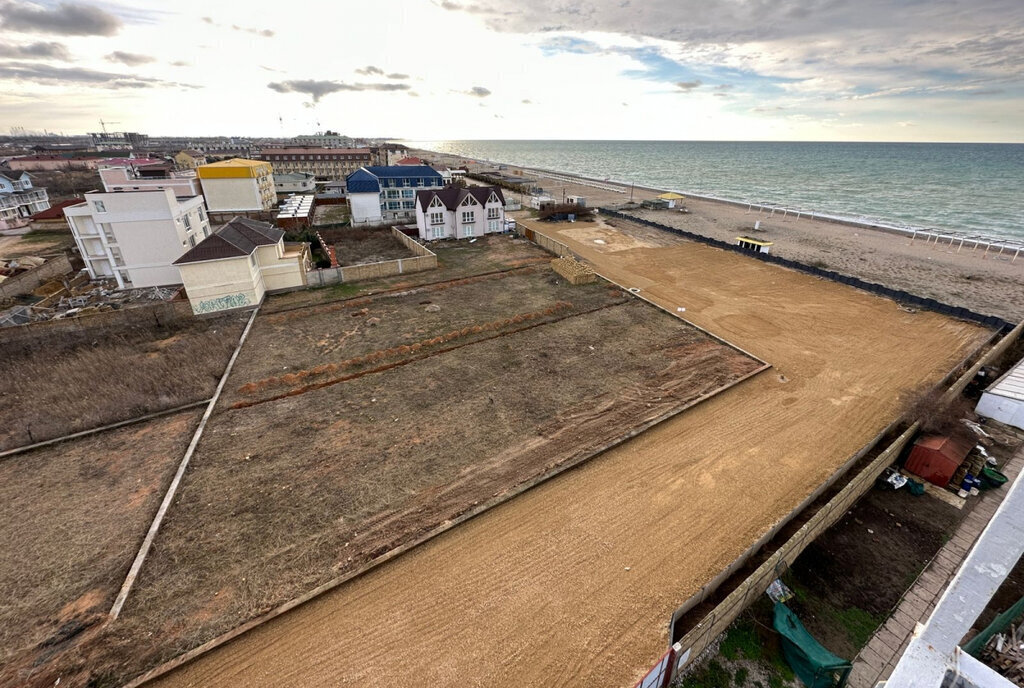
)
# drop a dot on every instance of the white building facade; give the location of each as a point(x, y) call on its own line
point(457, 213)
point(125, 179)
point(134, 238)
point(387, 194)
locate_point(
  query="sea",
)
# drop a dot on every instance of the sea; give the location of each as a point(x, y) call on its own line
point(967, 188)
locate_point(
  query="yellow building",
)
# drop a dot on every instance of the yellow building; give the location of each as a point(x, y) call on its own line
point(189, 159)
point(238, 185)
point(235, 266)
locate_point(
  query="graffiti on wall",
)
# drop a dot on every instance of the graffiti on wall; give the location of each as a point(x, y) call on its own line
point(222, 303)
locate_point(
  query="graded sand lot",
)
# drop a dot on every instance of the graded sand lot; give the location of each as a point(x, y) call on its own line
point(574, 582)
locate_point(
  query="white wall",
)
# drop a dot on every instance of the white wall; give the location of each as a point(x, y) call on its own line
point(232, 194)
point(365, 208)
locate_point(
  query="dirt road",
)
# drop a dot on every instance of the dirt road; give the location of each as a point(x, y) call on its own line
point(574, 582)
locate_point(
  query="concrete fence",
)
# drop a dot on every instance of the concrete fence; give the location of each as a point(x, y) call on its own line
point(899, 295)
point(28, 281)
point(157, 314)
point(547, 243)
point(703, 635)
point(425, 260)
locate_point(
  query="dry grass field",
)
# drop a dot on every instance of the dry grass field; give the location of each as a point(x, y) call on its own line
point(354, 246)
point(78, 381)
point(574, 582)
point(71, 518)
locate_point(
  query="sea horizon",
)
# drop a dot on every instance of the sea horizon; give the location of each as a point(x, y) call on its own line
point(968, 188)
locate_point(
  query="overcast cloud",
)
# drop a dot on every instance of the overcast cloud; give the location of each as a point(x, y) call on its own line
point(317, 89)
point(34, 51)
point(66, 19)
point(130, 59)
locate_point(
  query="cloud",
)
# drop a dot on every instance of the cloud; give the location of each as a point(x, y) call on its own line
point(317, 89)
point(527, 101)
point(46, 74)
point(396, 75)
point(180, 63)
point(65, 19)
point(130, 59)
point(208, 20)
point(266, 33)
point(478, 92)
point(370, 70)
point(36, 51)
point(688, 86)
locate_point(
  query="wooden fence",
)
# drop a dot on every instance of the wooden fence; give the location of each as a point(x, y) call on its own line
point(425, 260)
point(703, 635)
point(546, 243)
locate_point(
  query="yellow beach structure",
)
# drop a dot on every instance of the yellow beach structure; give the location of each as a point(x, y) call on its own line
point(238, 185)
point(672, 197)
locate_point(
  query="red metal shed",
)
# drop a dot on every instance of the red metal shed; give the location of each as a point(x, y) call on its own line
point(936, 457)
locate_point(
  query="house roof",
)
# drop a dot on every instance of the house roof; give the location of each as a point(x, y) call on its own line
point(413, 160)
point(367, 179)
point(233, 169)
point(293, 176)
point(452, 196)
point(316, 150)
point(236, 239)
point(13, 176)
point(192, 153)
point(56, 212)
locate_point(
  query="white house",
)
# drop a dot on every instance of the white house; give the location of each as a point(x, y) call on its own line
point(460, 213)
point(294, 183)
point(238, 264)
point(381, 194)
point(19, 200)
point(135, 237)
point(132, 179)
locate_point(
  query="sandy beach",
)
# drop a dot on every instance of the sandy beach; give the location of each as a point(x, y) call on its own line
point(959, 276)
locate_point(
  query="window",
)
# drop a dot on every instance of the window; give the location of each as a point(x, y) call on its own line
point(437, 218)
point(192, 241)
point(438, 232)
point(408, 193)
point(188, 222)
point(206, 231)
point(492, 213)
point(392, 193)
point(493, 225)
point(202, 213)
point(115, 253)
point(100, 208)
point(393, 205)
point(108, 233)
point(408, 205)
point(467, 216)
point(467, 230)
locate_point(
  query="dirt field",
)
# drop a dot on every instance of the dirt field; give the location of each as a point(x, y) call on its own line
point(454, 258)
point(358, 246)
point(396, 413)
point(72, 382)
point(73, 516)
point(574, 581)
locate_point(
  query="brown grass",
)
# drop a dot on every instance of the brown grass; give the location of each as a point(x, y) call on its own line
point(66, 386)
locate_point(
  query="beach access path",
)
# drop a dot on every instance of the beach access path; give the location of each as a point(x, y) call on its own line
point(574, 581)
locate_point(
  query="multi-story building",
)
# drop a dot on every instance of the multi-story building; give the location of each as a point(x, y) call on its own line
point(460, 213)
point(378, 195)
point(19, 200)
point(324, 141)
point(324, 163)
point(135, 237)
point(238, 185)
point(118, 140)
point(34, 163)
point(286, 183)
point(148, 178)
point(189, 159)
point(240, 263)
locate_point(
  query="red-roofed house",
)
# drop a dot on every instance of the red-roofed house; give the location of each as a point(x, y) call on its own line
point(411, 161)
point(454, 213)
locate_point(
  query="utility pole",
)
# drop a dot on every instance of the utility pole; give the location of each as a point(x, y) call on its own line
point(631, 185)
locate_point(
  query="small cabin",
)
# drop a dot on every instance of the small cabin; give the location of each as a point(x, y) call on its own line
point(754, 245)
point(581, 201)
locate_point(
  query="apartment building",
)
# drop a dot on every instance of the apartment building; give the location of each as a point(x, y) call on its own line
point(150, 178)
point(457, 213)
point(378, 195)
point(324, 163)
point(189, 159)
point(134, 238)
point(324, 140)
point(238, 185)
point(19, 200)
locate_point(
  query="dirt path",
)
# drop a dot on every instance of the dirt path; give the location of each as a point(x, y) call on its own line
point(574, 582)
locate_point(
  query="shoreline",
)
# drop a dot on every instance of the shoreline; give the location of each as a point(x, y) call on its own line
point(890, 227)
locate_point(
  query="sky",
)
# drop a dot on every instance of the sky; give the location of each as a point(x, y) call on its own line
point(817, 70)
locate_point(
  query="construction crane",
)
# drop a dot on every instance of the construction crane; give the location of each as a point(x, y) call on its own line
point(103, 125)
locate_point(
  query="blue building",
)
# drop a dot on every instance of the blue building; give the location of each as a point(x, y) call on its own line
point(378, 195)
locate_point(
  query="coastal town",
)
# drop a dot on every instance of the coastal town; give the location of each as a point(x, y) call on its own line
point(630, 345)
